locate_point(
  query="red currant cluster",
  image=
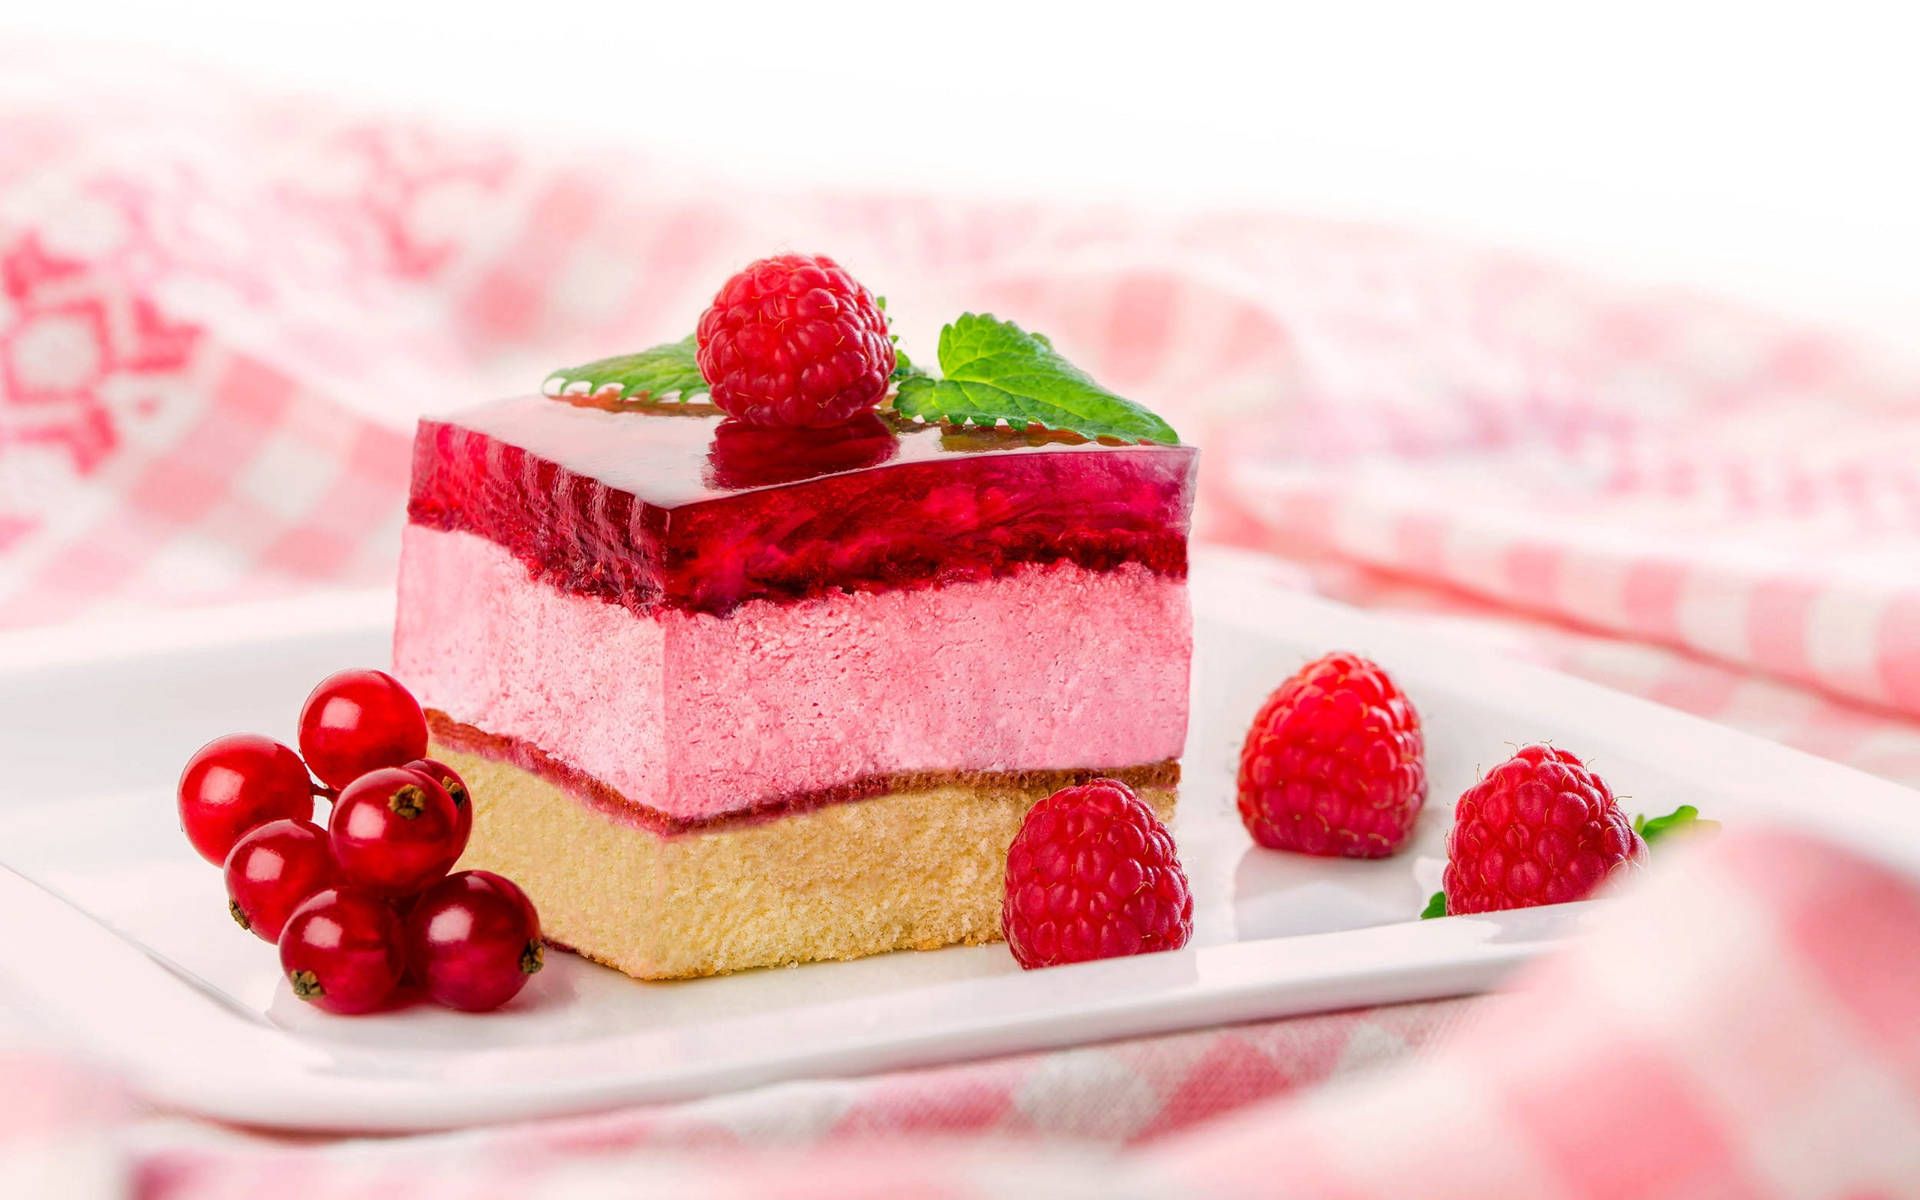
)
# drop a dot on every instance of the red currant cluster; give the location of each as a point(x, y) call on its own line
point(366, 904)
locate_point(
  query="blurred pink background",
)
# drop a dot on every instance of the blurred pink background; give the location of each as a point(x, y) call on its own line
point(1590, 342)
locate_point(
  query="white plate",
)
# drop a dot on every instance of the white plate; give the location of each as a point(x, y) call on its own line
point(118, 934)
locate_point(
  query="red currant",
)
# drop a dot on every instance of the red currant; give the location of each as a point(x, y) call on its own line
point(236, 782)
point(358, 721)
point(395, 831)
point(456, 787)
point(473, 940)
point(272, 869)
point(343, 950)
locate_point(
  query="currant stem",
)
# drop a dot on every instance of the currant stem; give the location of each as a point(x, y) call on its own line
point(306, 985)
point(321, 789)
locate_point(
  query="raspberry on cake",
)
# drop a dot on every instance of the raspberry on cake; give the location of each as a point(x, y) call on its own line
point(794, 340)
point(730, 697)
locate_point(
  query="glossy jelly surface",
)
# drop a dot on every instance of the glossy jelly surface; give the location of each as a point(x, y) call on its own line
point(675, 508)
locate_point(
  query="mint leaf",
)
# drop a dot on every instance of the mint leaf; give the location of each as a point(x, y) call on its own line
point(1436, 907)
point(1683, 820)
point(649, 375)
point(994, 370)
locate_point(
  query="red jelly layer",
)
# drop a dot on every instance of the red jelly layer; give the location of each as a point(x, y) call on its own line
point(718, 515)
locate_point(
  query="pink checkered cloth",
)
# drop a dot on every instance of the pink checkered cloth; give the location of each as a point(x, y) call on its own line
point(221, 310)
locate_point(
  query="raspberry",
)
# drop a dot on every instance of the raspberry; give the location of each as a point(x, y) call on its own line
point(1334, 763)
point(1093, 874)
point(1537, 829)
point(795, 340)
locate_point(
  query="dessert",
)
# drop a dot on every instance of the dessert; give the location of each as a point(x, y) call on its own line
point(733, 695)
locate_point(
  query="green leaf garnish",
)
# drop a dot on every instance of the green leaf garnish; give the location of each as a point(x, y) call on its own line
point(667, 370)
point(1683, 820)
point(996, 371)
point(1436, 907)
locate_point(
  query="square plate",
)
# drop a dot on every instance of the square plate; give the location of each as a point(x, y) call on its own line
point(120, 938)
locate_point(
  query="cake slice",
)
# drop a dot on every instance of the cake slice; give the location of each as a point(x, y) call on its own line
point(730, 697)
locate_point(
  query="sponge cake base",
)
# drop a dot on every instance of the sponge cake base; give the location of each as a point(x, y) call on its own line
point(916, 868)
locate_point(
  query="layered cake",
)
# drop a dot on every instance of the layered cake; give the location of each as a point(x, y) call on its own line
point(730, 696)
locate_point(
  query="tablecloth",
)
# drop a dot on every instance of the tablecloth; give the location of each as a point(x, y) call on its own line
point(221, 307)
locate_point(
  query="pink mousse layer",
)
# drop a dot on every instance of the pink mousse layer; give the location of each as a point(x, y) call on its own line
point(696, 716)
